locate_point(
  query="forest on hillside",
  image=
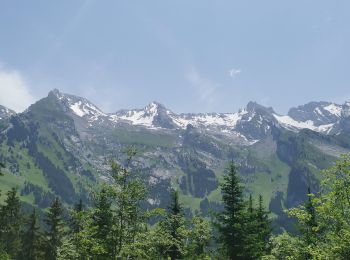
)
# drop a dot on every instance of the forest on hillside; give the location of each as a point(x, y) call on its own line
point(117, 226)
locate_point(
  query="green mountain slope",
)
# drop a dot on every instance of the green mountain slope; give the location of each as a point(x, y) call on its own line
point(50, 151)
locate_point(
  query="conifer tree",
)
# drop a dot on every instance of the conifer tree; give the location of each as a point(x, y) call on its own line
point(251, 231)
point(102, 222)
point(230, 222)
point(1, 174)
point(32, 239)
point(75, 223)
point(173, 226)
point(129, 193)
point(10, 223)
point(307, 225)
point(199, 238)
point(81, 244)
point(1, 166)
point(3, 254)
point(55, 229)
point(263, 228)
point(311, 222)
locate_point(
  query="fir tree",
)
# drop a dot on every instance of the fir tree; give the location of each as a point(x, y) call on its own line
point(75, 223)
point(1, 174)
point(230, 222)
point(10, 223)
point(251, 231)
point(129, 193)
point(55, 229)
point(263, 228)
point(199, 238)
point(1, 166)
point(310, 223)
point(102, 222)
point(80, 244)
point(173, 226)
point(32, 239)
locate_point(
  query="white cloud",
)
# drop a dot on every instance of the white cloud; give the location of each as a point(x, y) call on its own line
point(205, 88)
point(234, 72)
point(14, 91)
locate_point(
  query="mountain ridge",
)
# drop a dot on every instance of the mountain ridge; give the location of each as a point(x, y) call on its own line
point(301, 114)
point(61, 146)
point(317, 116)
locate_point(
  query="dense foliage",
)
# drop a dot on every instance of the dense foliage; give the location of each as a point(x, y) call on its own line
point(323, 220)
point(117, 226)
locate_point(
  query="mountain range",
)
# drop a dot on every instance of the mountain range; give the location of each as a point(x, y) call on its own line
point(62, 144)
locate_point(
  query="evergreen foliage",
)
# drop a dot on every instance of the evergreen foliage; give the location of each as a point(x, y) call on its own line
point(1, 166)
point(230, 222)
point(10, 222)
point(200, 235)
point(174, 229)
point(55, 230)
point(32, 240)
point(117, 227)
point(323, 220)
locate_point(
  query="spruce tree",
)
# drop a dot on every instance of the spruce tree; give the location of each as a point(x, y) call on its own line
point(311, 222)
point(55, 229)
point(1, 166)
point(32, 239)
point(10, 222)
point(129, 193)
point(75, 223)
point(3, 254)
point(102, 222)
point(199, 237)
point(173, 226)
point(80, 243)
point(251, 232)
point(263, 228)
point(230, 222)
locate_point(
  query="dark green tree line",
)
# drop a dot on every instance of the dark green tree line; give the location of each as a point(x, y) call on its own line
point(117, 227)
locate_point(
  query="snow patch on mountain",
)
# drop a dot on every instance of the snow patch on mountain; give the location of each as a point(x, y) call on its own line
point(81, 107)
point(294, 125)
point(138, 118)
point(224, 120)
point(334, 109)
point(77, 110)
point(5, 112)
point(144, 117)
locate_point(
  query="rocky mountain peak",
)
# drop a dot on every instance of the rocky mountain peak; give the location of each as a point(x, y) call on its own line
point(345, 113)
point(254, 122)
point(77, 106)
point(155, 107)
point(255, 107)
point(320, 113)
point(6, 112)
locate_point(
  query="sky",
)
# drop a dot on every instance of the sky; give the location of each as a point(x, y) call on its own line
point(190, 55)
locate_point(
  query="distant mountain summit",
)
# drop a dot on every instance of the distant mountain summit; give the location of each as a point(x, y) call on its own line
point(5, 112)
point(250, 124)
point(154, 115)
point(320, 113)
point(79, 106)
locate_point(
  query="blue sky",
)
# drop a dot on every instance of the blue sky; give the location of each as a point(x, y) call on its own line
point(191, 55)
